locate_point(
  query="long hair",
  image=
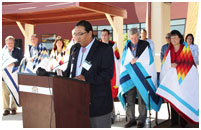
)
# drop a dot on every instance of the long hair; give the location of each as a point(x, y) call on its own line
point(59, 38)
point(191, 35)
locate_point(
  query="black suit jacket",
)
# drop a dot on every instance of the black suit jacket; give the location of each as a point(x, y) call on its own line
point(17, 54)
point(141, 46)
point(99, 76)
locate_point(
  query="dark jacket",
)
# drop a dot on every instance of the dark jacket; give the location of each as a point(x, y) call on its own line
point(17, 54)
point(141, 46)
point(98, 76)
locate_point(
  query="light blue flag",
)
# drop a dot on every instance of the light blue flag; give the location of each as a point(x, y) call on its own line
point(134, 75)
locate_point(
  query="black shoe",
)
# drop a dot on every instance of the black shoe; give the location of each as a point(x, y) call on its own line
point(112, 120)
point(140, 125)
point(183, 125)
point(14, 112)
point(6, 112)
point(174, 125)
point(130, 123)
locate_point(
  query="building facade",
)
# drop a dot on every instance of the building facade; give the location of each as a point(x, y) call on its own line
point(136, 18)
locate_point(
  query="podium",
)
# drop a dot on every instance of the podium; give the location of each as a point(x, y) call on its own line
point(53, 102)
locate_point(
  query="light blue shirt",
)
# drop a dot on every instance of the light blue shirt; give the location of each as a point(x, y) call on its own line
point(81, 58)
point(195, 53)
point(134, 46)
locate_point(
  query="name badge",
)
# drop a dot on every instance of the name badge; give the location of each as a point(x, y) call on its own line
point(86, 65)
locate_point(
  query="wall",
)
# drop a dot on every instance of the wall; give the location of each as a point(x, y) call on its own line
point(136, 13)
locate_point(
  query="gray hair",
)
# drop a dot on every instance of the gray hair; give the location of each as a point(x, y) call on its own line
point(10, 37)
point(34, 35)
point(133, 31)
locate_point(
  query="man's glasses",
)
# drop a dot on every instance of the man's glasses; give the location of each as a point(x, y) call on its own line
point(79, 34)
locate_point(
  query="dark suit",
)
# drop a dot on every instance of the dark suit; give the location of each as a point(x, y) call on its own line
point(131, 94)
point(17, 54)
point(99, 76)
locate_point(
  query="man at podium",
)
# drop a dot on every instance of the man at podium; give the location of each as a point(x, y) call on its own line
point(92, 61)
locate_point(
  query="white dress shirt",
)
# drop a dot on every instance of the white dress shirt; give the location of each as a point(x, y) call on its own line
point(81, 58)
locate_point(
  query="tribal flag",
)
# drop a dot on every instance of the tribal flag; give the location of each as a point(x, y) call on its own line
point(29, 66)
point(42, 53)
point(115, 79)
point(180, 86)
point(135, 76)
point(40, 60)
point(9, 74)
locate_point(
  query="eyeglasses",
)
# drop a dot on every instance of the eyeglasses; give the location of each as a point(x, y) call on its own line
point(174, 37)
point(79, 34)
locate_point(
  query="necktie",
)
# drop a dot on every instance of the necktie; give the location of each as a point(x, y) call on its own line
point(83, 51)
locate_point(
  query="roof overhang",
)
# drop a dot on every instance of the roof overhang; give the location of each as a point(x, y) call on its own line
point(57, 12)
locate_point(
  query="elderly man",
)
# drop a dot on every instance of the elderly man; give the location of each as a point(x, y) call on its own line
point(137, 47)
point(17, 54)
point(165, 47)
point(35, 52)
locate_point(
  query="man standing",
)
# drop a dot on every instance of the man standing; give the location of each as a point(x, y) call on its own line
point(17, 54)
point(93, 62)
point(151, 43)
point(165, 47)
point(35, 52)
point(105, 35)
point(137, 47)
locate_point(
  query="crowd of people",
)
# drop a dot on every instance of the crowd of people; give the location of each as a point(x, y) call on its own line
point(98, 63)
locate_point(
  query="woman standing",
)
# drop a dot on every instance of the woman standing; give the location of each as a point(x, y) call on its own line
point(58, 54)
point(176, 47)
point(194, 48)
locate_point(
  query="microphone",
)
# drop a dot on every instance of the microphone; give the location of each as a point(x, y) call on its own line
point(42, 72)
point(75, 47)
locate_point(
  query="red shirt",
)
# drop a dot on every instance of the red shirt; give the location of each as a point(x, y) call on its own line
point(175, 55)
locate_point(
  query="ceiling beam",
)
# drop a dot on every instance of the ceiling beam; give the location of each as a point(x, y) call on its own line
point(66, 20)
point(103, 8)
point(48, 16)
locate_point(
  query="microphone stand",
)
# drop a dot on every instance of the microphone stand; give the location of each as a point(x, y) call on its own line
point(77, 45)
point(149, 100)
point(71, 67)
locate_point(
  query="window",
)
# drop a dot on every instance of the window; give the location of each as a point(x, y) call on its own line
point(48, 40)
point(97, 29)
point(178, 24)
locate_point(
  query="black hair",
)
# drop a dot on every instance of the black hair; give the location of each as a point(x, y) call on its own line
point(144, 30)
point(105, 30)
point(175, 32)
point(188, 36)
point(86, 25)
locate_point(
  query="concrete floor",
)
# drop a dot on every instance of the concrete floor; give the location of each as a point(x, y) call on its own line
point(15, 121)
